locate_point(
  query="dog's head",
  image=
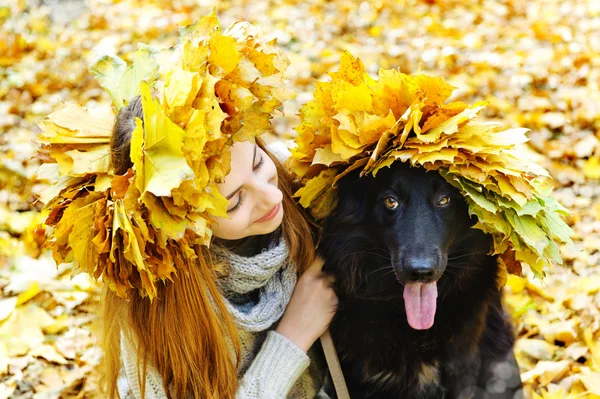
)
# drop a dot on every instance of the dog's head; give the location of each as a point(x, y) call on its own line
point(409, 220)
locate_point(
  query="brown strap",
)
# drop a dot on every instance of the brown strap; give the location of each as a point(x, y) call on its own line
point(334, 366)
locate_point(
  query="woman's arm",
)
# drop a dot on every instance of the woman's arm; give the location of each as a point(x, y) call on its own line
point(274, 370)
point(271, 375)
point(282, 358)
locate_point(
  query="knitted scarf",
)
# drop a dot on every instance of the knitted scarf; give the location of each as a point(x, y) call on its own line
point(271, 272)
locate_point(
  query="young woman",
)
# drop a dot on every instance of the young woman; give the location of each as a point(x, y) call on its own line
point(258, 344)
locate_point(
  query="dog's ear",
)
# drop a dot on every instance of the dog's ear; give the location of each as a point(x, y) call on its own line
point(351, 199)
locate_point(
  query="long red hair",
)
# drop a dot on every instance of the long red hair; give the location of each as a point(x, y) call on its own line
point(186, 334)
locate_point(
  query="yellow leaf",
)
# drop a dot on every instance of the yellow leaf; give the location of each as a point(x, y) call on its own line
point(374, 126)
point(7, 306)
point(245, 73)
point(594, 346)
point(591, 380)
point(323, 204)
point(82, 233)
point(61, 323)
point(23, 329)
point(353, 98)
point(564, 331)
point(546, 372)
point(516, 284)
point(339, 145)
point(591, 167)
point(131, 247)
point(443, 113)
point(29, 293)
point(181, 88)
point(254, 123)
point(444, 155)
point(536, 348)
point(49, 353)
point(351, 69)
point(208, 102)
point(96, 159)
point(316, 187)
point(435, 89)
point(74, 124)
point(451, 125)
point(160, 166)
point(325, 156)
point(171, 225)
point(224, 52)
point(265, 63)
point(122, 82)
point(347, 121)
point(204, 26)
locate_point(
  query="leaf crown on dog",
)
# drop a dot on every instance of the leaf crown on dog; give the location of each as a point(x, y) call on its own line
point(357, 122)
point(216, 88)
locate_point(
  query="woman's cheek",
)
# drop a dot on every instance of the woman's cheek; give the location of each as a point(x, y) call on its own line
point(226, 228)
point(239, 222)
point(248, 217)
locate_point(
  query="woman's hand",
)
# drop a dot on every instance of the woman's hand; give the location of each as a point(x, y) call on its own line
point(310, 309)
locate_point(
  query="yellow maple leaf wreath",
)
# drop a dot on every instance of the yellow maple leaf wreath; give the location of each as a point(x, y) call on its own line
point(357, 122)
point(212, 89)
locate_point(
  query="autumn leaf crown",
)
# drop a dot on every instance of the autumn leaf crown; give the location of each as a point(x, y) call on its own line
point(355, 122)
point(214, 88)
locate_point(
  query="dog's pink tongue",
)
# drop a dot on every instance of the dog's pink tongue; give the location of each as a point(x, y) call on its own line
point(420, 303)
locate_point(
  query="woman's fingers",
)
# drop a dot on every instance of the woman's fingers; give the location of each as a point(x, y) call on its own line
point(316, 271)
point(330, 279)
point(317, 266)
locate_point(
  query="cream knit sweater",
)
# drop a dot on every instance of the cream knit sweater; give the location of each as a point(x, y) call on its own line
point(275, 368)
point(271, 366)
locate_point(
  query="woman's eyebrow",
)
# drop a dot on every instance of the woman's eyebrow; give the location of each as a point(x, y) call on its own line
point(240, 187)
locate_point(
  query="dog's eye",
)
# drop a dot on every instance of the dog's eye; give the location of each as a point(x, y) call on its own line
point(391, 202)
point(445, 200)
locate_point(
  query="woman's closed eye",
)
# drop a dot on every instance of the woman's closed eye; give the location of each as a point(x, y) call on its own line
point(239, 203)
point(256, 166)
point(260, 163)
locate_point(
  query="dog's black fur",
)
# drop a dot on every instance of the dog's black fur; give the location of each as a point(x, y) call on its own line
point(373, 250)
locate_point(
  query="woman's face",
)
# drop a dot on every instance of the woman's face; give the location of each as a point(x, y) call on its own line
point(255, 202)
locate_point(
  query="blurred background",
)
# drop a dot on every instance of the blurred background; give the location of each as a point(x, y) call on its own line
point(536, 62)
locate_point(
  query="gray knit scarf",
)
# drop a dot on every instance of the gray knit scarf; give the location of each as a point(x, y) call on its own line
point(271, 272)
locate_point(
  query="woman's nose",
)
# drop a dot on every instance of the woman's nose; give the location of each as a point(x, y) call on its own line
point(267, 191)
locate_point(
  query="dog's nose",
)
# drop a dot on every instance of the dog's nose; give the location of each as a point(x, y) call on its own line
point(422, 269)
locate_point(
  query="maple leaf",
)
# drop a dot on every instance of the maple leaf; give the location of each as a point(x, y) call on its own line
point(156, 150)
point(73, 124)
point(121, 81)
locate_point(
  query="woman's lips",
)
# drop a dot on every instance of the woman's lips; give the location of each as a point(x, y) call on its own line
point(272, 213)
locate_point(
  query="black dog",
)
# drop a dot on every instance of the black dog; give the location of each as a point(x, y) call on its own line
point(419, 314)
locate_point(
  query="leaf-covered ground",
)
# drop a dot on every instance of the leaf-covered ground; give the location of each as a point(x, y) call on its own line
point(536, 62)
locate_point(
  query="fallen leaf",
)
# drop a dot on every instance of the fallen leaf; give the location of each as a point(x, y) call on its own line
point(22, 330)
point(546, 371)
point(536, 348)
point(49, 353)
point(591, 380)
point(7, 306)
